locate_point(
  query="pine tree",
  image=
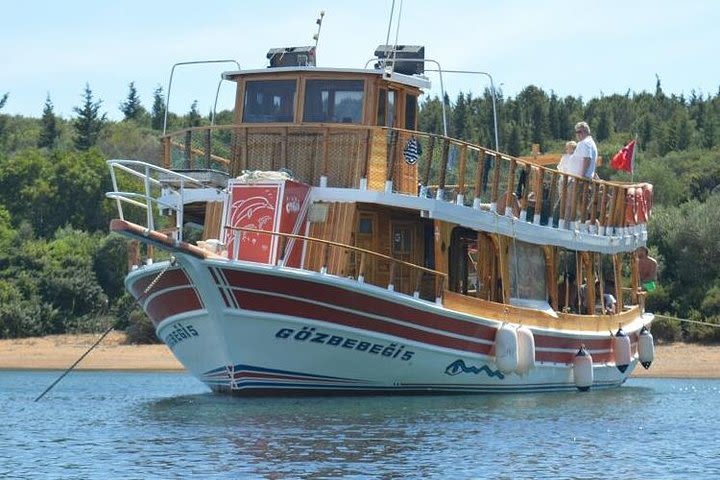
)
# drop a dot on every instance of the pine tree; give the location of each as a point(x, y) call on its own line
point(193, 117)
point(49, 133)
point(515, 142)
point(3, 99)
point(158, 109)
point(89, 122)
point(131, 107)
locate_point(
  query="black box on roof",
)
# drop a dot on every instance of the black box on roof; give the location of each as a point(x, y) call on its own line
point(291, 57)
point(410, 58)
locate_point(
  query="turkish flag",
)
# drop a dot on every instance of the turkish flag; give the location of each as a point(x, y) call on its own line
point(625, 158)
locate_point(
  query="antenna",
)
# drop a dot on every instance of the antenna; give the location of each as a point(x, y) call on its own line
point(387, 39)
point(397, 34)
point(397, 27)
point(316, 37)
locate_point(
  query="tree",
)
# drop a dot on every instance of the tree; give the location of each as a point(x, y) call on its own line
point(110, 265)
point(89, 122)
point(193, 117)
point(49, 133)
point(131, 107)
point(70, 258)
point(157, 115)
point(3, 99)
point(515, 143)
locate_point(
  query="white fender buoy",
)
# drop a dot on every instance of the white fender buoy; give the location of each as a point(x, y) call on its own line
point(526, 350)
point(621, 350)
point(583, 369)
point(646, 348)
point(506, 349)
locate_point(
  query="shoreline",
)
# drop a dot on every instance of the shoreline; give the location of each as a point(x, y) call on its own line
point(59, 352)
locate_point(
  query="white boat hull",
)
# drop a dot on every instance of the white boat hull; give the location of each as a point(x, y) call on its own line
point(248, 328)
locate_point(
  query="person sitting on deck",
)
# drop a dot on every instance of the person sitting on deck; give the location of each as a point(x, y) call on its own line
point(647, 268)
point(608, 299)
point(565, 165)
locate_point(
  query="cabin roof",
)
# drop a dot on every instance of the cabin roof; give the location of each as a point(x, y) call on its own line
point(409, 80)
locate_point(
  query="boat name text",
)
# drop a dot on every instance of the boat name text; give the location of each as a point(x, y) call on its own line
point(180, 333)
point(310, 335)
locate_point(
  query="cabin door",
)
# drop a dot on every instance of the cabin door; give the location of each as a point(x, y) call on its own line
point(402, 247)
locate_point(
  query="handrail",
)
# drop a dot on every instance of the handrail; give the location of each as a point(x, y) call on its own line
point(147, 173)
point(393, 261)
point(371, 157)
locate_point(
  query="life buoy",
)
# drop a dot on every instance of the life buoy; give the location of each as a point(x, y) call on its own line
point(630, 218)
point(526, 351)
point(621, 350)
point(646, 348)
point(506, 348)
point(583, 369)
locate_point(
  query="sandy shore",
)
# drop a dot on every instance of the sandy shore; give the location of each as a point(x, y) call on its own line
point(61, 351)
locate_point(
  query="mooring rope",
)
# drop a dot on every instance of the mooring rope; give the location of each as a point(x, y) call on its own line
point(109, 329)
point(687, 320)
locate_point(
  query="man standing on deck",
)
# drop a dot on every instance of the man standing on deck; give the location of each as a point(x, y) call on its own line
point(586, 150)
point(647, 267)
point(580, 163)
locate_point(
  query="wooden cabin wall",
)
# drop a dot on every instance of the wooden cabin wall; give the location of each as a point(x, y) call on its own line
point(213, 220)
point(386, 223)
point(377, 167)
point(337, 227)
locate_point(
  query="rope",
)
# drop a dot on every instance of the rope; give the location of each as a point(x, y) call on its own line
point(110, 329)
point(687, 320)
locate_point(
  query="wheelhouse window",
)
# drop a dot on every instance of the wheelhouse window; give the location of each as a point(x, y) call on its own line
point(334, 101)
point(269, 101)
point(410, 111)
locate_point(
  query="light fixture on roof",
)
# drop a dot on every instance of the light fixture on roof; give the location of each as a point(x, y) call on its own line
point(292, 57)
point(405, 59)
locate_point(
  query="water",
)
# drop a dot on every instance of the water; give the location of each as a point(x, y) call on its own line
point(167, 425)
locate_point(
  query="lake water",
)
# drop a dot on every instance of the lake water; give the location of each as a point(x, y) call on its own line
point(167, 425)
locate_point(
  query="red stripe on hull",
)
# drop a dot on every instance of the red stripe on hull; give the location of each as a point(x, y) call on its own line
point(329, 295)
point(171, 278)
point(568, 356)
point(358, 301)
point(298, 307)
point(173, 302)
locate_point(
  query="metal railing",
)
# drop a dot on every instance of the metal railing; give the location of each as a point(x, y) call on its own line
point(378, 158)
point(144, 178)
point(394, 264)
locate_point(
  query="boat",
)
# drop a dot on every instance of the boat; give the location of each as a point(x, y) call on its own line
point(321, 244)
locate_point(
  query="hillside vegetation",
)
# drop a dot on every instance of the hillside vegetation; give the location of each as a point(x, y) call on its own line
point(61, 272)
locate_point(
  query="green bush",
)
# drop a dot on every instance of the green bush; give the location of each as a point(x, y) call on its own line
point(666, 330)
point(702, 332)
point(140, 329)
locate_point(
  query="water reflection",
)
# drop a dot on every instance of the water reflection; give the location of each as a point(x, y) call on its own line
point(130, 425)
point(333, 436)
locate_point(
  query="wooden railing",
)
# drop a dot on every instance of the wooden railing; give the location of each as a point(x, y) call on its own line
point(417, 271)
point(353, 156)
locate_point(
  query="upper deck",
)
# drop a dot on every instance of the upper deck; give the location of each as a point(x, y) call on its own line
point(357, 129)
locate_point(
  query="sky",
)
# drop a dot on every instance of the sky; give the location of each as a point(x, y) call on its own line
point(584, 49)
